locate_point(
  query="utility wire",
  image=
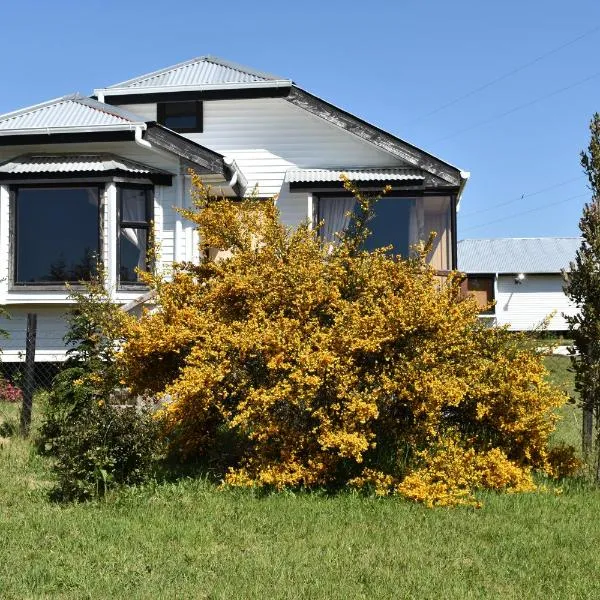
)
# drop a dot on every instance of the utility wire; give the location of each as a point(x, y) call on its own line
point(521, 197)
point(505, 76)
point(519, 107)
point(526, 212)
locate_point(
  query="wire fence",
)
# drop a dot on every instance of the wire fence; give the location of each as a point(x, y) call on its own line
point(21, 380)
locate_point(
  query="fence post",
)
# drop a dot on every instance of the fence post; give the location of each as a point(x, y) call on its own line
point(28, 380)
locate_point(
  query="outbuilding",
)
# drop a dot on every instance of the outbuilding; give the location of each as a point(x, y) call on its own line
point(523, 276)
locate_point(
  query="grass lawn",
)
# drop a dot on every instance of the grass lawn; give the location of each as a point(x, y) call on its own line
point(188, 540)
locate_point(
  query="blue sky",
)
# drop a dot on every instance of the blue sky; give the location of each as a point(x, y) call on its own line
point(390, 62)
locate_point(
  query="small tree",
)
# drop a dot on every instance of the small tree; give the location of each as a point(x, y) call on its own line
point(583, 287)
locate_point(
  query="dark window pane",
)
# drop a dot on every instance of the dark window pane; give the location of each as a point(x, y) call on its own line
point(134, 205)
point(57, 234)
point(391, 225)
point(176, 122)
point(180, 116)
point(132, 252)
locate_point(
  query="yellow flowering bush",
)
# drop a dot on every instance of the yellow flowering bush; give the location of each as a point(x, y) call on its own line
point(324, 367)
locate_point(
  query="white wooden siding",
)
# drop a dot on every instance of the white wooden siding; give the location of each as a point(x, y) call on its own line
point(524, 306)
point(267, 136)
point(51, 327)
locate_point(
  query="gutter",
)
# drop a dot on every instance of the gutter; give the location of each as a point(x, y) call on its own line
point(86, 129)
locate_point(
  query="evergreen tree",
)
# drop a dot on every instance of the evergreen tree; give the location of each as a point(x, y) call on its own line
point(583, 287)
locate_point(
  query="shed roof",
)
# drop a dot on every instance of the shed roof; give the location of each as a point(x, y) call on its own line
point(517, 255)
point(200, 72)
point(333, 175)
point(29, 165)
point(71, 111)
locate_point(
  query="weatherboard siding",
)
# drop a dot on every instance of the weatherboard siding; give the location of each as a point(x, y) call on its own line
point(524, 306)
point(51, 328)
point(267, 136)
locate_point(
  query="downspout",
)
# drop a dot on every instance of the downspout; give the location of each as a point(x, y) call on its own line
point(177, 234)
point(139, 140)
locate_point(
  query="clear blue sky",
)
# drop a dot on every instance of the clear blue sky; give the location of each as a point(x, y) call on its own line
point(389, 62)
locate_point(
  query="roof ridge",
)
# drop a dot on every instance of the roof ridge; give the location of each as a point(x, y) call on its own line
point(204, 58)
point(29, 109)
point(80, 99)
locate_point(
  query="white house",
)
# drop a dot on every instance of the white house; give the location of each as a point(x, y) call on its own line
point(523, 276)
point(82, 177)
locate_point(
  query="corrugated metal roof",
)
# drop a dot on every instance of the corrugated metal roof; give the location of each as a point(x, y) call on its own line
point(517, 255)
point(327, 175)
point(73, 163)
point(204, 70)
point(68, 111)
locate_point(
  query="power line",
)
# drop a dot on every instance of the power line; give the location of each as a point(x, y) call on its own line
point(505, 75)
point(526, 212)
point(521, 197)
point(520, 107)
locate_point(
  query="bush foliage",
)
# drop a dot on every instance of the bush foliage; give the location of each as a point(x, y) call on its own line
point(332, 366)
point(97, 443)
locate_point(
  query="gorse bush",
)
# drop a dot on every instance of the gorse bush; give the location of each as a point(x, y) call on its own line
point(333, 366)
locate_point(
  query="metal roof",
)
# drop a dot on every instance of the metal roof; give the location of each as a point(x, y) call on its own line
point(198, 72)
point(327, 175)
point(517, 255)
point(67, 112)
point(73, 163)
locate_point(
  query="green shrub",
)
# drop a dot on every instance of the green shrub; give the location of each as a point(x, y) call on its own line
point(97, 444)
point(103, 447)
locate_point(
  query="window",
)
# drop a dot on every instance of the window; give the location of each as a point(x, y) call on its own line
point(482, 289)
point(135, 211)
point(393, 224)
point(57, 233)
point(399, 221)
point(185, 117)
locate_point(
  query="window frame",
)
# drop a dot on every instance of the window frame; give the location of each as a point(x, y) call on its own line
point(395, 194)
point(147, 225)
point(198, 112)
point(14, 234)
point(490, 291)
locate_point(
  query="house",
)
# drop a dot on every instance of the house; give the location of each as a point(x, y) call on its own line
point(523, 276)
point(86, 177)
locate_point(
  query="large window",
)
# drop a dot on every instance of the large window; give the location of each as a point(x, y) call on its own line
point(185, 117)
point(399, 222)
point(135, 213)
point(57, 234)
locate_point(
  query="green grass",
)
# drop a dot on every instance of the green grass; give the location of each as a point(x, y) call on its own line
point(568, 429)
point(189, 540)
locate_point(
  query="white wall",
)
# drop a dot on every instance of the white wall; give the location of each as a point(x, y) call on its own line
point(523, 306)
point(51, 327)
point(268, 136)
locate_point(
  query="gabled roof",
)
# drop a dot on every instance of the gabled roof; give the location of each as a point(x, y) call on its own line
point(198, 73)
point(69, 112)
point(517, 255)
point(212, 78)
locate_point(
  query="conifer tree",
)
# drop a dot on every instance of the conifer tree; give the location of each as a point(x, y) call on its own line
point(583, 287)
